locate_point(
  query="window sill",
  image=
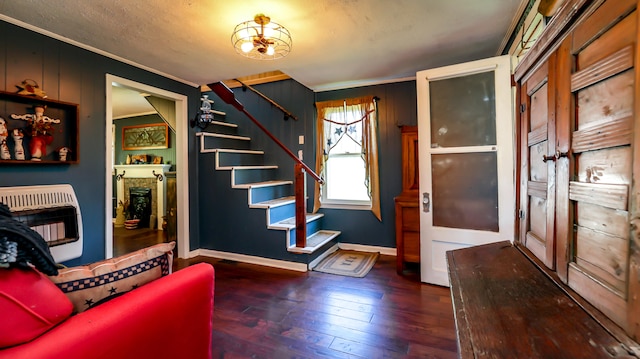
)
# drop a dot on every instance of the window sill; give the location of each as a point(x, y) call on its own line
point(351, 206)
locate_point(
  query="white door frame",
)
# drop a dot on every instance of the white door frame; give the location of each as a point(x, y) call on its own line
point(182, 161)
point(436, 241)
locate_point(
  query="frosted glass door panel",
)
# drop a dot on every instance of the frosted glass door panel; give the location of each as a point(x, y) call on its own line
point(466, 158)
point(463, 111)
point(465, 191)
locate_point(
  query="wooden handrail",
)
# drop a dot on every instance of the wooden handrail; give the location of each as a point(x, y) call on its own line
point(287, 114)
point(227, 96)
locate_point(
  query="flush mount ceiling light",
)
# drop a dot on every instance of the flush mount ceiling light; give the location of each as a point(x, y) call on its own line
point(261, 39)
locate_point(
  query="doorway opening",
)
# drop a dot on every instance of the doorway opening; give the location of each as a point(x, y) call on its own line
point(177, 103)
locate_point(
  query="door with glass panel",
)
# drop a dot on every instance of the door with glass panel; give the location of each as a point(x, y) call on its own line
point(466, 160)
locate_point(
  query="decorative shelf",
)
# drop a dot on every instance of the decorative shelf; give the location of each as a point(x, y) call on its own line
point(64, 134)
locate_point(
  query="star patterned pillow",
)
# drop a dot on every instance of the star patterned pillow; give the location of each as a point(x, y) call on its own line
point(88, 286)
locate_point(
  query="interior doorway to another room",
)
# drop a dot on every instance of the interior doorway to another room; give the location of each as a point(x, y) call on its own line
point(159, 169)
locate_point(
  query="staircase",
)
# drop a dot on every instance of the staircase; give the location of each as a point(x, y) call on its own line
point(265, 192)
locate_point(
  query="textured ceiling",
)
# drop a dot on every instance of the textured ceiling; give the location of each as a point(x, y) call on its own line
point(336, 43)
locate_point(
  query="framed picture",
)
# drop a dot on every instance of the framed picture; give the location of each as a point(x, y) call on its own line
point(144, 137)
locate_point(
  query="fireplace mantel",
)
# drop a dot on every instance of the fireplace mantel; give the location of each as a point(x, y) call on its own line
point(141, 171)
point(123, 172)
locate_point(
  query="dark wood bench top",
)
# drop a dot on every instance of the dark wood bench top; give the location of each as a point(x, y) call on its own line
point(505, 307)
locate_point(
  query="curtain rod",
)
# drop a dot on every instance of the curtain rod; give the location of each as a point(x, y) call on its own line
point(375, 99)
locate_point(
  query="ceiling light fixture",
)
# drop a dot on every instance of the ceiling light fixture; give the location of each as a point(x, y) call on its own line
point(261, 39)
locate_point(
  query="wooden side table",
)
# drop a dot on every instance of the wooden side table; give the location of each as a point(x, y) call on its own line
point(407, 231)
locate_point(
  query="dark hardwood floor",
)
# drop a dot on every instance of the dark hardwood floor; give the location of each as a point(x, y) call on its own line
point(129, 240)
point(263, 312)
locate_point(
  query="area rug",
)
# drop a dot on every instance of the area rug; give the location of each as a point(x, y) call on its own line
point(348, 263)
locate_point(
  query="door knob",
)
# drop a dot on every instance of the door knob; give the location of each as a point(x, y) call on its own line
point(555, 156)
point(546, 158)
point(426, 202)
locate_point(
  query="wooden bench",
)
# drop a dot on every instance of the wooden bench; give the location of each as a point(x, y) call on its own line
point(505, 307)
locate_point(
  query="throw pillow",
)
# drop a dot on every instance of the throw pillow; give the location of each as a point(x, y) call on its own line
point(29, 305)
point(88, 286)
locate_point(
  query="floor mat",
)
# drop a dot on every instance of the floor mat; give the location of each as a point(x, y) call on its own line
point(348, 263)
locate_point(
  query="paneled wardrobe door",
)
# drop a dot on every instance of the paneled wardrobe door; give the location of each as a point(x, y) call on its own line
point(537, 172)
point(602, 256)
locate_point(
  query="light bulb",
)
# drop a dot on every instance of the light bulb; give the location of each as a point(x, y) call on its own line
point(270, 50)
point(268, 31)
point(243, 33)
point(246, 46)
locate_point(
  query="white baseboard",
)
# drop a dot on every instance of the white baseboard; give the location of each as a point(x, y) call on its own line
point(299, 267)
point(363, 248)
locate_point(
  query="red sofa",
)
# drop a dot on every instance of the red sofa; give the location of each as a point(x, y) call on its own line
point(170, 317)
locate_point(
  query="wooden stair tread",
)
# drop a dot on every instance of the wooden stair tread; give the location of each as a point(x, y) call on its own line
point(226, 168)
point(227, 124)
point(262, 184)
point(273, 203)
point(231, 150)
point(315, 241)
point(222, 135)
point(290, 223)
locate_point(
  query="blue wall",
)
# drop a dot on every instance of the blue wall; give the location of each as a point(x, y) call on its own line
point(71, 74)
point(68, 73)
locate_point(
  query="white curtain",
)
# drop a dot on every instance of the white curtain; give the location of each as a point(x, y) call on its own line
point(332, 121)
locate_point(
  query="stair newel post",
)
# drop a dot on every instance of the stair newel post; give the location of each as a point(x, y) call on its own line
point(301, 206)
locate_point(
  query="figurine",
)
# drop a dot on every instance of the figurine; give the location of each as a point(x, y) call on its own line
point(30, 87)
point(120, 216)
point(18, 137)
point(40, 130)
point(62, 153)
point(4, 149)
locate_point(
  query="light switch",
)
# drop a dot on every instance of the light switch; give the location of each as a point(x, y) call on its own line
point(300, 155)
point(301, 140)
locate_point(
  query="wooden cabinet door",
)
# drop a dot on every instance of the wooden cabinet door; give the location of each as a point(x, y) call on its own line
point(600, 118)
point(537, 161)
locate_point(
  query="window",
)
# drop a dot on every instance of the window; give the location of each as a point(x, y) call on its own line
point(347, 155)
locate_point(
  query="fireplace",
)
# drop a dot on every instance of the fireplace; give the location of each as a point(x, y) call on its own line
point(140, 205)
point(148, 176)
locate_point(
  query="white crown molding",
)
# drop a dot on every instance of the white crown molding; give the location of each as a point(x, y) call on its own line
point(354, 84)
point(91, 48)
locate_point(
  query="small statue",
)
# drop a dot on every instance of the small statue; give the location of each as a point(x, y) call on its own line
point(62, 153)
point(4, 133)
point(30, 88)
point(4, 150)
point(18, 137)
point(40, 129)
point(120, 216)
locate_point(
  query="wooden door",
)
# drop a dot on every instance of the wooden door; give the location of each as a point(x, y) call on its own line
point(466, 160)
point(538, 158)
point(601, 127)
